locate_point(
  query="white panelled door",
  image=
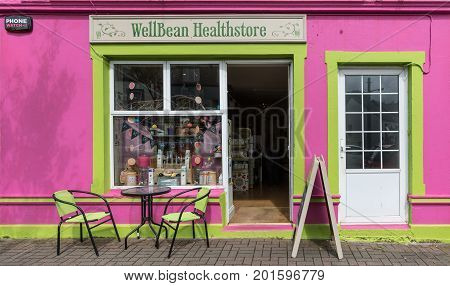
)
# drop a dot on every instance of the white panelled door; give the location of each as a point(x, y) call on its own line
point(373, 145)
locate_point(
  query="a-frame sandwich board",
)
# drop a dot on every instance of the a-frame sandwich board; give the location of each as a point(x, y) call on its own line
point(318, 167)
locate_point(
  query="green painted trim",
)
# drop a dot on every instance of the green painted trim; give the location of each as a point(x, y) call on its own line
point(416, 233)
point(298, 170)
point(101, 54)
point(185, 231)
point(223, 207)
point(110, 200)
point(415, 60)
point(429, 201)
point(100, 155)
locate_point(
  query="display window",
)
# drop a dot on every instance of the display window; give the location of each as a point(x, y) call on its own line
point(195, 87)
point(166, 124)
point(138, 87)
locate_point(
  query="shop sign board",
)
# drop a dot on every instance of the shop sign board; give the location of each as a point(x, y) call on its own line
point(198, 28)
point(18, 23)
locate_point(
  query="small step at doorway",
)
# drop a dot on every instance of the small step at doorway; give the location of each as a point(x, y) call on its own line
point(261, 205)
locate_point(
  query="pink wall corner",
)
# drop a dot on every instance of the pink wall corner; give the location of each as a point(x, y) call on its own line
point(46, 107)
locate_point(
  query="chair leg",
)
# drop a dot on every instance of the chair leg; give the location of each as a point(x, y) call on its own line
point(115, 227)
point(92, 238)
point(173, 239)
point(159, 233)
point(81, 232)
point(58, 240)
point(166, 229)
point(193, 229)
point(206, 232)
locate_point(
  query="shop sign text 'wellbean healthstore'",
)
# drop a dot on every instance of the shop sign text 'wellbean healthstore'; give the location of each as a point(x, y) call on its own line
point(236, 28)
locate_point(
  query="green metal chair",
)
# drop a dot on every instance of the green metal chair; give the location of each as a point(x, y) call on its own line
point(71, 213)
point(199, 212)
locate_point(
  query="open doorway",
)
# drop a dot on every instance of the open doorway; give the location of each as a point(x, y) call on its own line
point(258, 113)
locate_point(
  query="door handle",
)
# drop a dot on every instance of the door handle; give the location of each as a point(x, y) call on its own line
point(341, 148)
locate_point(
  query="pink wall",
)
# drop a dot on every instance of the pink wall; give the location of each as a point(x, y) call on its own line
point(46, 96)
point(46, 107)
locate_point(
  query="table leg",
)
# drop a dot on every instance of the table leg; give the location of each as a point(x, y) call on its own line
point(143, 221)
point(150, 214)
point(150, 218)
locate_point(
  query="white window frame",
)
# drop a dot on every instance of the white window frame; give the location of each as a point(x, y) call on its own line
point(222, 111)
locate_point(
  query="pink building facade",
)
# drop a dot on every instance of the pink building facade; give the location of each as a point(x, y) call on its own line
point(48, 112)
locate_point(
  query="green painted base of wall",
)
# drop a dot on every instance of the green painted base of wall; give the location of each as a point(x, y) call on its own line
point(416, 233)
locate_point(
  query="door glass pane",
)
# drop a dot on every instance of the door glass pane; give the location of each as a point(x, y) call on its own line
point(179, 150)
point(371, 122)
point(353, 122)
point(353, 103)
point(391, 160)
point(372, 102)
point(372, 141)
point(371, 83)
point(138, 87)
point(354, 141)
point(390, 122)
point(389, 83)
point(372, 160)
point(354, 160)
point(195, 87)
point(389, 102)
point(352, 84)
point(390, 141)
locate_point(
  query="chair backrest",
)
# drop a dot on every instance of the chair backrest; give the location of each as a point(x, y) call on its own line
point(65, 209)
point(201, 204)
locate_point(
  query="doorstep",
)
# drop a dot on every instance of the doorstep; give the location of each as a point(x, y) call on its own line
point(379, 226)
point(258, 227)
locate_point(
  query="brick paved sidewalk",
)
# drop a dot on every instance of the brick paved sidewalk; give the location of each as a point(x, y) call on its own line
point(221, 252)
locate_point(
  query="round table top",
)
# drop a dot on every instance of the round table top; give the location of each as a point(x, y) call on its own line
point(145, 191)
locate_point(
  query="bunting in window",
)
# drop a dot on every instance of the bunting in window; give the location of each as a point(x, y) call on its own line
point(125, 126)
point(134, 134)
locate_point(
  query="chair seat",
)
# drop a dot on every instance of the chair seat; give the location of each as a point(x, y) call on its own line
point(187, 216)
point(89, 217)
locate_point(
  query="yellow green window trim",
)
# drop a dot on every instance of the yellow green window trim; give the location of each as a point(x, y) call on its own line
point(102, 54)
point(414, 62)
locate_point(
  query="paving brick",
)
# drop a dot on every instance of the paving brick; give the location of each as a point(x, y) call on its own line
point(222, 252)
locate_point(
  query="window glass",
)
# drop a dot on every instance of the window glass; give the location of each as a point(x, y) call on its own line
point(391, 160)
point(389, 83)
point(353, 122)
point(390, 102)
point(371, 84)
point(372, 141)
point(372, 160)
point(195, 86)
point(354, 160)
point(353, 103)
point(354, 141)
point(372, 121)
point(352, 84)
point(371, 102)
point(138, 87)
point(167, 150)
